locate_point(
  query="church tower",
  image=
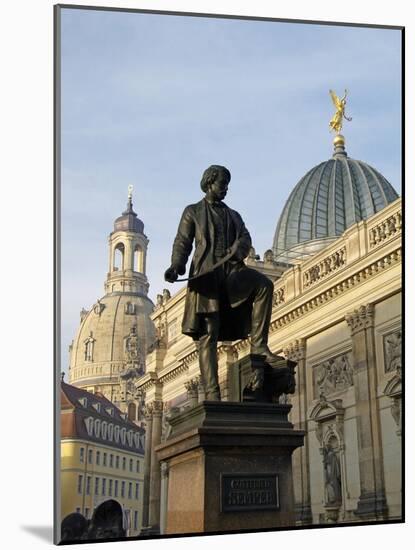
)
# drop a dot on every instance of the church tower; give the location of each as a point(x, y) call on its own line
point(128, 253)
point(108, 352)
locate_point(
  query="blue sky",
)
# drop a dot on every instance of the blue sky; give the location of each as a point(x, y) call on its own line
point(152, 100)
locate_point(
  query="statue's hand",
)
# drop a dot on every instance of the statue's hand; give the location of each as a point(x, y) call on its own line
point(170, 275)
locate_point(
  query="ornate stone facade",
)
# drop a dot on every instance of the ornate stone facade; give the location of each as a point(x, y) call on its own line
point(333, 329)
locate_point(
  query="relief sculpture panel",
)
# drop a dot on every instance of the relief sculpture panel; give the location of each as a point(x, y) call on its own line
point(392, 346)
point(334, 374)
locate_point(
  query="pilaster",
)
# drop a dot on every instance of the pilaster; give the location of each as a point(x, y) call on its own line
point(372, 502)
point(296, 351)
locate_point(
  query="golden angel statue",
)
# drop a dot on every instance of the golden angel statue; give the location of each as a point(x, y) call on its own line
point(336, 123)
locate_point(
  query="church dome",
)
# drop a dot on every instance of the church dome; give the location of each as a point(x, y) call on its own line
point(331, 197)
point(117, 326)
point(112, 341)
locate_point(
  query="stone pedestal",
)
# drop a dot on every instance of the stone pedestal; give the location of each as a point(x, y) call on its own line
point(230, 468)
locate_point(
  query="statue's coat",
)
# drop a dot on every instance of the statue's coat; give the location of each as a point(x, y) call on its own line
point(203, 293)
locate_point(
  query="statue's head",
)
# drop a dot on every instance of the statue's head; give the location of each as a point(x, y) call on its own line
point(215, 181)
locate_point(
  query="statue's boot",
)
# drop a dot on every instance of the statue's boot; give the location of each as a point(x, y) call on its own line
point(275, 361)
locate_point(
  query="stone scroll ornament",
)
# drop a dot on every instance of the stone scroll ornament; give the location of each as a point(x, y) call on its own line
point(269, 382)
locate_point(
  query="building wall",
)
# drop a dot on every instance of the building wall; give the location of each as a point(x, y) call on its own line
point(74, 493)
point(335, 308)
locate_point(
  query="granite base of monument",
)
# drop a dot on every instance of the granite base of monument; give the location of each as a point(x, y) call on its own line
point(229, 468)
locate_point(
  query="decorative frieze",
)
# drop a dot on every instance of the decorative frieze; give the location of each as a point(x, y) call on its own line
point(360, 318)
point(279, 296)
point(325, 267)
point(385, 230)
point(337, 289)
point(335, 374)
point(392, 349)
point(171, 375)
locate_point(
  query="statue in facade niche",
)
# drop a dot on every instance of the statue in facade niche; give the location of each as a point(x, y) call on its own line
point(332, 476)
point(225, 299)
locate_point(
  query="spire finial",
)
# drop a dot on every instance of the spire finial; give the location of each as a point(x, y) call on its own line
point(130, 193)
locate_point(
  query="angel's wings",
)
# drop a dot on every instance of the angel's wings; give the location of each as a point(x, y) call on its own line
point(336, 100)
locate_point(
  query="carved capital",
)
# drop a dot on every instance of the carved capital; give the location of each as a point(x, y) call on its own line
point(148, 411)
point(360, 318)
point(157, 408)
point(296, 350)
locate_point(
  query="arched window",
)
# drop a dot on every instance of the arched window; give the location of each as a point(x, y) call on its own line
point(110, 431)
point(119, 257)
point(138, 259)
point(97, 427)
point(132, 412)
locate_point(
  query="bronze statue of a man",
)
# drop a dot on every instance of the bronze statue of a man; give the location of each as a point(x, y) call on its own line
point(226, 300)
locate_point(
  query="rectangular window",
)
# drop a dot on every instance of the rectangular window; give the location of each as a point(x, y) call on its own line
point(136, 491)
point(88, 485)
point(98, 460)
point(80, 479)
point(137, 466)
point(122, 489)
point(135, 520)
point(116, 488)
point(131, 464)
point(104, 459)
point(111, 460)
point(110, 487)
point(82, 454)
point(90, 456)
point(117, 461)
point(104, 486)
point(96, 485)
point(130, 490)
point(123, 463)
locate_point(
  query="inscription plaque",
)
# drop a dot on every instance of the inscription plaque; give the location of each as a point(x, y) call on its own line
point(246, 492)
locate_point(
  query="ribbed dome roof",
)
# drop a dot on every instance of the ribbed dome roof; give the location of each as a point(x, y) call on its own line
point(331, 197)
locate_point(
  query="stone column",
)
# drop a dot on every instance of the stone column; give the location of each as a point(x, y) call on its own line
point(296, 351)
point(372, 501)
point(154, 508)
point(148, 413)
point(164, 494)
